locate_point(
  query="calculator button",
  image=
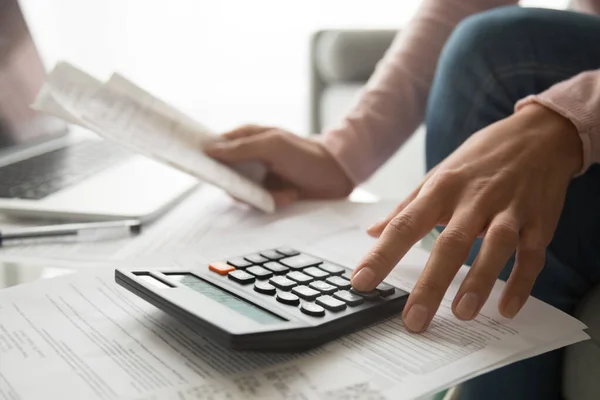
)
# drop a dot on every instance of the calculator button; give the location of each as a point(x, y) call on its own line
point(323, 287)
point(306, 293)
point(385, 290)
point(239, 262)
point(300, 262)
point(331, 304)
point(299, 277)
point(272, 255)
point(312, 309)
point(259, 272)
point(256, 258)
point(281, 282)
point(288, 298)
point(221, 268)
point(316, 272)
point(276, 267)
point(338, 281)
point(264, 288)
point(369, 296)
point(287, 251)
point(240, 276)
point(349, 298)
point(332, 268)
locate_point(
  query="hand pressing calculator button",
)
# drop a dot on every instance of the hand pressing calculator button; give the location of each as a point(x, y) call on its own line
point(272, 300)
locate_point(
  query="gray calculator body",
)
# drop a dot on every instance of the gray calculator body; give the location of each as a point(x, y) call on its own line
point(235, 314)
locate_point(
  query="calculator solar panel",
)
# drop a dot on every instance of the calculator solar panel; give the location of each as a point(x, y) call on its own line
point(272, 300)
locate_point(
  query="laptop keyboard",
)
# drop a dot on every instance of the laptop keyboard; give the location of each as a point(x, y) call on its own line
point(45, 174)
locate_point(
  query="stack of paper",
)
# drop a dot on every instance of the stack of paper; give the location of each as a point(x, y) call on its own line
point(82, 336)
point(120, 111)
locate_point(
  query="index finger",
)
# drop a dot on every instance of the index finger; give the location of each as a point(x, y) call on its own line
point(400, 234)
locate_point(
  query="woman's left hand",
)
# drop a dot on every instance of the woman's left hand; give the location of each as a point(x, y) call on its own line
point(507, 182)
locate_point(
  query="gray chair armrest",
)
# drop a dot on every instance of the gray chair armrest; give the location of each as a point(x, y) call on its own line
point(343, 56)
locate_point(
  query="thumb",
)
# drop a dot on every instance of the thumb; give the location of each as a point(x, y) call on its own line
point(251, 148)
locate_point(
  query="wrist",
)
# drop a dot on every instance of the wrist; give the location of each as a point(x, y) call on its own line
point(558, 130)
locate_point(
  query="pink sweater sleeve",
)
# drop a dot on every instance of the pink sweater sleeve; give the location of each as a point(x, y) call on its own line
point(577, 99)
point(393, 103)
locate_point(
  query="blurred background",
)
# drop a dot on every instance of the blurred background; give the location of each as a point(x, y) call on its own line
point(225, 62)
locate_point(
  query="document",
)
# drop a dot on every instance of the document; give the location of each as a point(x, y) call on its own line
point(199, 222)
point(124, 113)
point(65, 88)
point(83, 336)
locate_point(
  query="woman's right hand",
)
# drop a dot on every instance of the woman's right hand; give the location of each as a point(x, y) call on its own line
point(297, 167)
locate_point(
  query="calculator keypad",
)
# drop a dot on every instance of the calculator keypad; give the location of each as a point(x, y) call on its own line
point(349, 298)
point(288, 252)
point(312, 309)
point(300, 262)
point(256, 258)
point(265, 288)
point(339, 282)
point(316, 272)
point(240, 276)
point(272, 255)
point(306, 293)
point(259, 272)
point(283, 283)
point(288, 298)
point(323, 287)
point(239, 262)
point(276, 267)
point(331, 303)
point(297, 279)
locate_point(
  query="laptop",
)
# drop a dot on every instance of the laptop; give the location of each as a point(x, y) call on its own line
point(49, 169)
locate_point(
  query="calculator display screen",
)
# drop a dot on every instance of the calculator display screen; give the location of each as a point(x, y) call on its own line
point(227, 299)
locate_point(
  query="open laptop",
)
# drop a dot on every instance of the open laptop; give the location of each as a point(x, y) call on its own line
point(50, 169)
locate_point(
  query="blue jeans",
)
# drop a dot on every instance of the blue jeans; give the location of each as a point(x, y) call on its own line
point(492, 60)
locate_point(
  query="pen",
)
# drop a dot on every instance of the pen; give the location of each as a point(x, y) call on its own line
point(134, 227)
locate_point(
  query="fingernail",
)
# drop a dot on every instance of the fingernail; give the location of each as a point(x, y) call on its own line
point(512, 307)
point(467, 306)
point(364, 279)
point(416, 318)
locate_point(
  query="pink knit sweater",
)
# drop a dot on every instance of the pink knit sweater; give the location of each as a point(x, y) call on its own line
point(393, 103)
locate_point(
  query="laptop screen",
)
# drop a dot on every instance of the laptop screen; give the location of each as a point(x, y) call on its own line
point(21, 76)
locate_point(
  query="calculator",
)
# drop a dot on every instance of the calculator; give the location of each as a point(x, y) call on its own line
point(278, 299)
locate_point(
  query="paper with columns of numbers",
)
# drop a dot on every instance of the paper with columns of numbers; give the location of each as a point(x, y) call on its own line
point(120, 111)
point(82, 336)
